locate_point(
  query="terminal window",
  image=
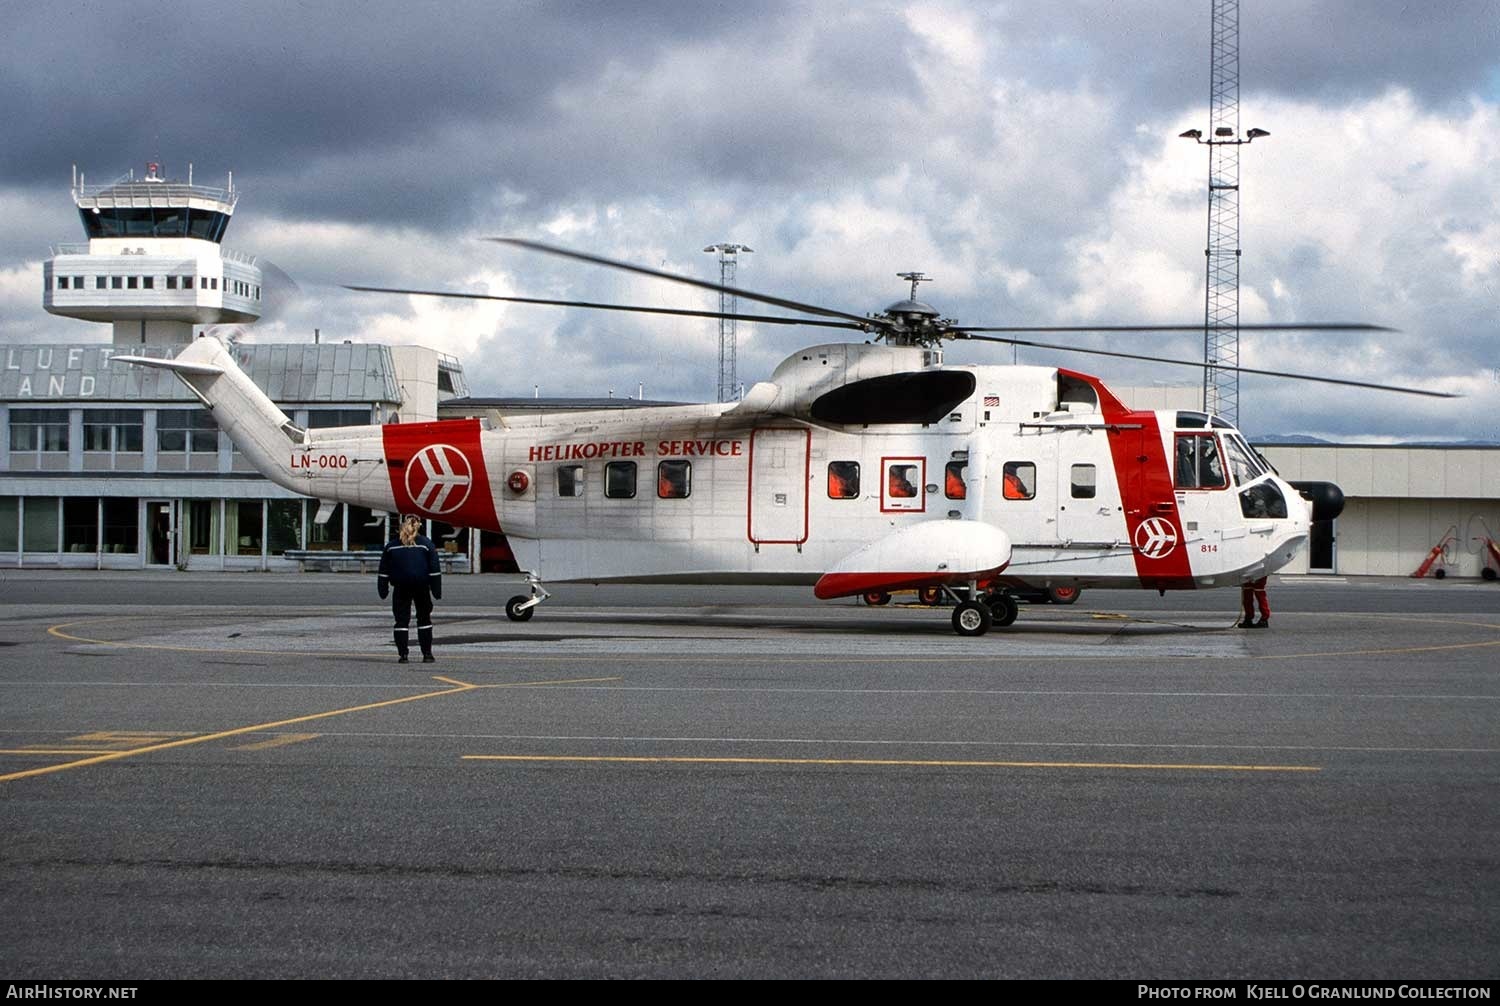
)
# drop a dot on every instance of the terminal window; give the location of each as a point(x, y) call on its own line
point(117, 430)
point(39, 430)
point(186, 430)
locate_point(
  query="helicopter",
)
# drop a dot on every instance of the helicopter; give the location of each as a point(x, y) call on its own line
point(858, 468)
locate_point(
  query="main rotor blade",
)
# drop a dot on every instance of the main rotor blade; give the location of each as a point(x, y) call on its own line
point(790, 305)
point(1241, 370)
point(683, 312)
point(1314, 326)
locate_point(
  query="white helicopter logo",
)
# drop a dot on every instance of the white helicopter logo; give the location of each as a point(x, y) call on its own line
point(1155, 538)
point(438, 479)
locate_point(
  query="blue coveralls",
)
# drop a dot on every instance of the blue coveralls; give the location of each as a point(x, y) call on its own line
point(417, 576)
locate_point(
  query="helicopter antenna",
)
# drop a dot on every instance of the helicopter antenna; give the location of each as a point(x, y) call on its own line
point(914, 278)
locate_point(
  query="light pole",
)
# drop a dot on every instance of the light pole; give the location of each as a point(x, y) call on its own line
point(728, 350)
point(1221, 298)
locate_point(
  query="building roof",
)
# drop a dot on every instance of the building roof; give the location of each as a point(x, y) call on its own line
point(299, 372)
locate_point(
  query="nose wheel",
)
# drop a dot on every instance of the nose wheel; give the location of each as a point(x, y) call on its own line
point(521, 607)
point(971, 618)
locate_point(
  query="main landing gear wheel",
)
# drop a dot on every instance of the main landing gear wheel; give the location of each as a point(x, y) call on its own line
point(1062, 595)
point(515, 612)
point(875, 598)
point(1003, 610)
point(930, 595)
point(971, 618)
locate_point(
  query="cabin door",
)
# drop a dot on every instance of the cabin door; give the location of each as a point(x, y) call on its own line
point(778, 486)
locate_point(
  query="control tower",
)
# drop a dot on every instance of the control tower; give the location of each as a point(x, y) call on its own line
point(153, 266)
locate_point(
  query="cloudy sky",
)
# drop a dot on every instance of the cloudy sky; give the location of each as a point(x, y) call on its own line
point(1024, 155)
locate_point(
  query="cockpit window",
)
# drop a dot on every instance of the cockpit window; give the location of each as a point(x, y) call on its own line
point(1198, 462)
point(1263, 500)
point(1241, 466)
point(1192, 420)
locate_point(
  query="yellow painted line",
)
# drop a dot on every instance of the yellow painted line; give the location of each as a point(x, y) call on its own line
point(654, 759)
point(120, 739)
point(276, 742)
point(237, 732)
point(49, 751)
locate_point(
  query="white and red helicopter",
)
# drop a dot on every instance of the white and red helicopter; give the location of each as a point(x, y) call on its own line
point(858, 468)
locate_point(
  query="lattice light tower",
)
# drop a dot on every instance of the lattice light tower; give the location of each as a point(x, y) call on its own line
point(728, 345)
point(1221, 314)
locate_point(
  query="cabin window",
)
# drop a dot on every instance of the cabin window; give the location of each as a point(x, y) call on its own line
point(619, 480)
point(904, 482)
point(674, 480)
point(954, 486)
point(904, 487)
point(1020, 480)
point(570, 480)
point(116, 282)
point(1198, 463)
point(1083, 482)
point(187, 282)
point(132, 282)
point(100, 282)
point(62, 282)
point(843, 480)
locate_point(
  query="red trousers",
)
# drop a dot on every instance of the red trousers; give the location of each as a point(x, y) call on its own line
point(1253, 594)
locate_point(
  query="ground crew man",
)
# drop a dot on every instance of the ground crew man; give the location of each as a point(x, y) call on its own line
point(1253, 595)
point(410, 565)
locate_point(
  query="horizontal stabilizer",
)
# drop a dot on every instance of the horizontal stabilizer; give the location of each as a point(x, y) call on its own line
point(181, 366)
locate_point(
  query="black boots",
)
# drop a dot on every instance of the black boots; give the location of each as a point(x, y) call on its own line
point(424, 639)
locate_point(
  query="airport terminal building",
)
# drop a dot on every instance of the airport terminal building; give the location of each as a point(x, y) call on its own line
point(109, 466)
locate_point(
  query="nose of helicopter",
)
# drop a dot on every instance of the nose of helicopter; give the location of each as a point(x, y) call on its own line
point(1326, 498)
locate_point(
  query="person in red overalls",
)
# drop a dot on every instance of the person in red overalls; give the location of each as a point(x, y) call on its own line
point(1253, 595)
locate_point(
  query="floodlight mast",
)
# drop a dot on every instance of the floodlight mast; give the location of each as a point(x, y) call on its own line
point(1221, 307)
point(728, 338)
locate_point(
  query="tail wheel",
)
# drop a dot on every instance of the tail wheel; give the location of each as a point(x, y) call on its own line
point(1062, 595)
point(875, 598)
point(1003, 610)
point(1489, 573)
point(930, 595)
point(972, 619)
point(515, 612)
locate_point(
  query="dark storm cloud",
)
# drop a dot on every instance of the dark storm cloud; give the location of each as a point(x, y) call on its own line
point(274, 89)
point(419, 112)
point(1156, 56)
